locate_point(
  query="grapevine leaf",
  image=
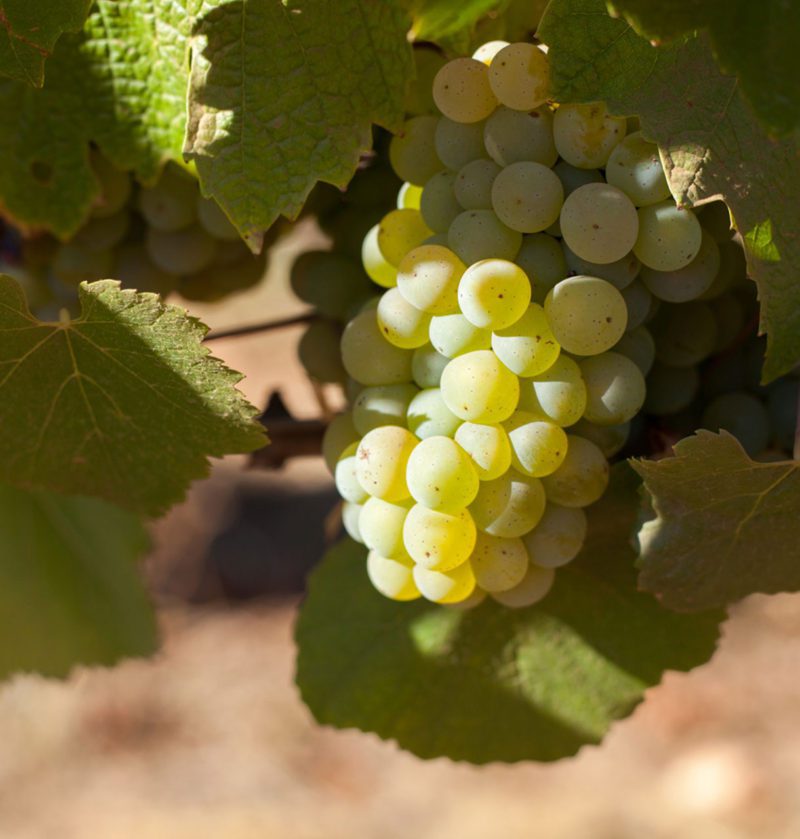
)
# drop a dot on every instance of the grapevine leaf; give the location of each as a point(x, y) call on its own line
point(711, 144)
point(124, 403)
point(724, 527)
point(756, 42)
point(71, 593)
point(283, 94)
point(434, 20)
point(29, 30)
point(495, 683)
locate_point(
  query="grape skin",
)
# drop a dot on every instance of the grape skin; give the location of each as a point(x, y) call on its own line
point(428, 415)
point(441, 476)
point(581, 479)
point(462, 92)
point(439, 541)
point(368, 357)
point(520, 76)
point(428, 279)
point(381, 461)
point(527, 197)
point(473, 184)
point(615, 388)
point(381, 527)
point(509, 506)
point(488, 446)
point(477, 387)
point(393, 578)
point(669, 236)
point(558, 538)
point(535, 585)
point(494, 294)
point(498, 563)
point(479, 234)
point(412, 151)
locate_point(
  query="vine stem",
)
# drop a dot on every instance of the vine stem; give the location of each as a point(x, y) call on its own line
point(265, 326)
point(797, 429)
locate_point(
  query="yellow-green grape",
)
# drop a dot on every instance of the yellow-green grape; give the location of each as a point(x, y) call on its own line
point(115, 187)
point(393, 578)
point(670, 389)
point(318, 351)
point(488, 446)
point(382, 405)
point(527, 197)
point(351, 515)
point(509, 506)
point(408, 197)
point(134, 269)
point(534, 587)
point(477, 387)
point(458, 143)
point(378, 268)
point(685, 335)
point(473, 184)
point(520, 76)
point(559, 393)
point(419, 93)
point(381, 462)
point(331, 282)
point(171, 204)
point(438, 541)
point(582, 478)
point(462, 92)
point(587, 315)
point(538, 447)
point(610, 439)
point(494, 293)
point(454, 335)
point(429, 416)
point(402, 324)
point(438, 205)
point(381, 526)
point(441, 476)
point(620, 273)
point(634, 166)
point(586, 135)
point(340, 433)
point(571, 177)
point(368, 357)
point(599, 223)
point(638, 345)
point(74, 265)
point(479, 234)
point(638, 303)
point(486, 52)
point(689, 282)
point(498, 563)
point(412, 153)
point(213, 220)
point(428, 278)
point(100, 234)
point(527, 347)
point(473, 601)
point(346, 479)
point(542, 259)
point(514, 136)
point(427, 365)
point(181, 251)
point(399, 232)
point(615, 388)
point(445, 587)
point(669, 236)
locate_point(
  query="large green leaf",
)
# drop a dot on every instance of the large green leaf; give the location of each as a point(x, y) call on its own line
point(710, 142)
point(434, 20)
point(124, 403)
point(757, 41)
point(724, 526)
point(71, 592)
point(29, 30)
point(495, 683)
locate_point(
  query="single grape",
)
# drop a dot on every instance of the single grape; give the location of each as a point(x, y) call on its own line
point(477, 387)
point(599, 223)
point(462, 91)
point(378, 268)
point(441, 476)
point(527, 196)
point(520, 77)
point(559, 393)
point(509, 506)
point(399, 232)
point(115, 187)
point(438, 205)
point(427, 365)
point(74, 265)
point(340, 433)
point(454, 335)
point(479, 234)
point(381, 526)
point(331, 282)
point(538, 447)
point(102, 234)
point(446, 587)
point(382, 405)
point(581, 479)
point(494, 293)
point(438, 541)
point(542, 259)
point(744, 416)
point(458, 143)
point(534, 587)
point(429, 416)
point(351, 517)
point(488, 446)
point(723, 374)
point(171, 204)
point(182, 251)
point(428, 279)
point(381, 462)
point(473, 184)
point(345, 477)
point(318, 351)
point(527, 347)
point(402, 324)
point(515, 136)
point(689, 282)
point(498, 563)
point(639, 304)
point(558, 538)
point(615, 388)
point(408, 197)
point(610, 439)
point(685, 335)
point(571, 177)
point(620, 273)
point(393, 578)
point(419, 92)
point(368, 357)
point(412, 151)
point(585, 135)
point(213, 220)
point(634, 166)
point(638, 345)
point(670, 389)
point(486, 52)
point(669, 236)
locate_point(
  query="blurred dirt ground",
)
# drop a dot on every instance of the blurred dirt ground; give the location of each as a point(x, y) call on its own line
point(210, 741)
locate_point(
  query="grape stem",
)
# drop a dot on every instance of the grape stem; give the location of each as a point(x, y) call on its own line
point(265, 326)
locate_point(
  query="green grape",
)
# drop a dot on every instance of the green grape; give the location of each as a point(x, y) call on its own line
point(527, 197)
point(115, 187)
point(723, 374)
point(587, 315)
point(427, 365)
point(488, 446)
point(520, 76)
point(599, 223)
point(368, 357)
point(412, 152)
point(685, 335)
point(716, 219)
point(74, 265)
point(473, 184)
point(486, 52)
point(479, 234)
point(559, 393)
point(378, 268)
point(542, 259)
point(494, 293)
point(585, 135)
point(213, 220)
point(458, 143)
point(182, 251)
point(535, 586)
point(439, 239)
point(402, 324)
point(393, 578)
point(439, 206)
point(581, 479)
point(218, 279)
point(345, 476)
point(381, 462)
point(515, 136)
point(669, 236)
point(429, 416)
point(441, 476)
point(408, 197)
point(462, 92)
point(340, 433)
point(318, 350)
point(454, 335)
point(330, 282)
point(744, 416)
point(527, 347)
point(351, 516)
point(638, 345)
point(620, 273)
point(171, 204)
point(615, 388)
point(782, 410)
point(477, 387)
point(670, 389)
point(428, 279)
point(638, 303)
point(419, 92)
point(538, 447)
point(399, 232)
point(571, 177)
point(498, 563)
point(382, 405)
point(381, 526)
point(731, 318)
point(102, 234)
point(635, 167)
point(558, 538)
point(509, 506)
point(438, 541)
point(610, 439)
point(447, 587)
point(689, 282)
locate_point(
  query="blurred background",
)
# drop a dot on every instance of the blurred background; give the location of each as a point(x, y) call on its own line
point(210, 739)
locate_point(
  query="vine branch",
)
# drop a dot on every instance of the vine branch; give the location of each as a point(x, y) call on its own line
point(264, 326)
